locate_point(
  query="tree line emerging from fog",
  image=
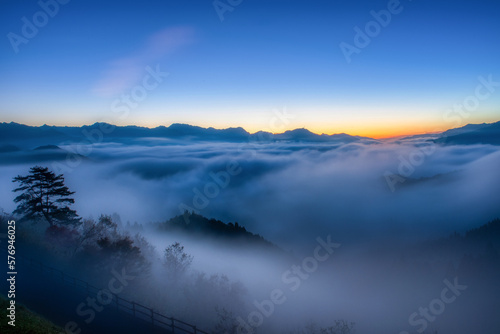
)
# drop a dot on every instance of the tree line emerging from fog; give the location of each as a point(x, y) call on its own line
point(165, 279)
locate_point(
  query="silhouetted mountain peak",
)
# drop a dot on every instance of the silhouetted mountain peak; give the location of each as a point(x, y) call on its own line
point(9, 148)
point(299, 132)
point(472, 134)
point(183, 126)
point(47, 147)
point(200, 226)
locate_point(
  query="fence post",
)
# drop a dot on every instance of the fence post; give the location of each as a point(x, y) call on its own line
point(54, 272)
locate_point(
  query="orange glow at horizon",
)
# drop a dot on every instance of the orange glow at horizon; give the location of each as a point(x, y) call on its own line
point(377, 129)
point(390, 132)
point(374, 130)
point(380, 130)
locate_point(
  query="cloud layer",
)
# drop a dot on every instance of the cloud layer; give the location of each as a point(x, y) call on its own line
point(293, 193)
point(290, 191)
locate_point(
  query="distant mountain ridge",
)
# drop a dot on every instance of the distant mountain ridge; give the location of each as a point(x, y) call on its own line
point(19, 134)
point(11, 154)
point(472, 134)
point(50, 135)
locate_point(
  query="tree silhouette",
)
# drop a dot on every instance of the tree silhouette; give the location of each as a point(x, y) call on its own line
point(44, 195)
point(177, 261)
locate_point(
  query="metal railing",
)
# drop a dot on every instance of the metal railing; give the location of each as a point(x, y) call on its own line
point(137, 310)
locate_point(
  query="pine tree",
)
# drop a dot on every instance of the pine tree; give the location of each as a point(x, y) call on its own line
point(177, 261)
point(44, 195)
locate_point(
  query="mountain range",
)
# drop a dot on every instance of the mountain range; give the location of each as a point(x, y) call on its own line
point(49, 135)
point(15, 134)
point(472, 134)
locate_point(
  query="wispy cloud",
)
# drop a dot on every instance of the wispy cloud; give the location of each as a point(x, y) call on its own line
point(123, 73)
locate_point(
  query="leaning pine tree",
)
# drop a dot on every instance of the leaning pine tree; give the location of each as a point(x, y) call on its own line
point(44, 195)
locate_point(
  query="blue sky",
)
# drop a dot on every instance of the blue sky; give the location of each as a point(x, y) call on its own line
point(264, 56)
